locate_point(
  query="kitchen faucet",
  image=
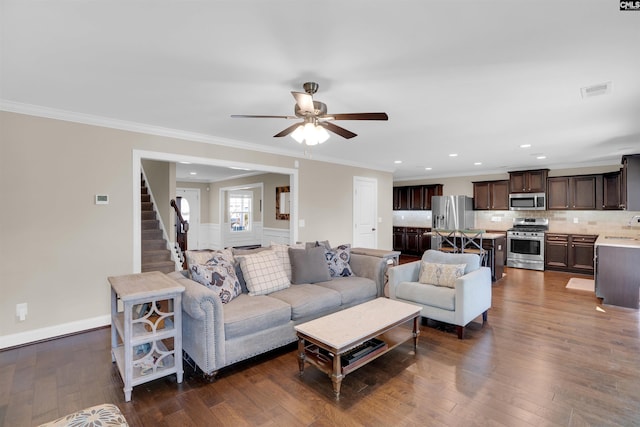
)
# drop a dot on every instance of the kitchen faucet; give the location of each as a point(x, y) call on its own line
point(634, 219)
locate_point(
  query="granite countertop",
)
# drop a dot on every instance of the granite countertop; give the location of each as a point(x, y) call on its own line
point(619, 241)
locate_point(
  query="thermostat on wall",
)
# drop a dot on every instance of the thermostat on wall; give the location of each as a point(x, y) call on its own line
point(102, 199)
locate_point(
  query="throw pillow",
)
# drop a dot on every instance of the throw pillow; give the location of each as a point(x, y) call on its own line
point(282, 252)
point(218, 274)
point(308, 265)
point(338, 261)
point(263, 273)
point(201, 256)
point(440, 274)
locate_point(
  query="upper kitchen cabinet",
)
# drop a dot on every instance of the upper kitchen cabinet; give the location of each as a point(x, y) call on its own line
point(630, 182)
point(612, 190)
point(532, 181)
point(491, 195)
point(400, 198)
point(581, 192)
point(415, 197)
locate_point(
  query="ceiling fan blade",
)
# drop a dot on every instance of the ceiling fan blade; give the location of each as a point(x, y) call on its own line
point(304, 101)
point(249, 116)
point(359, 116)
point(338, 130)
point(287, 131)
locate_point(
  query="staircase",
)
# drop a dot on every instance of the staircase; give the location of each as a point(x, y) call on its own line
point(155, 255)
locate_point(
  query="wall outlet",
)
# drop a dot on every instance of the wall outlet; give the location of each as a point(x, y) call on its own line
point(575, 220)
point(21, 311)
point(301, 223)
point(496, 219)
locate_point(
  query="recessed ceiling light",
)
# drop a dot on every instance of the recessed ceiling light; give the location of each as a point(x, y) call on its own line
point(193, 173)
point(185, 163)
point(525, 146)
point(453, 155)
point(541, 157)
point(397, 162)
point(477, 163)
point(428, 169)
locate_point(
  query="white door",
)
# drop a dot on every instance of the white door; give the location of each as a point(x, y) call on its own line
point(191, 213)
point(365, 212)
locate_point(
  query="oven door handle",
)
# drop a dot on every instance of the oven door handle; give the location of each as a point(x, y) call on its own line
point(525, 238)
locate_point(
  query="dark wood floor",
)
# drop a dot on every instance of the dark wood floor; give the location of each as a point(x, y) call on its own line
point(547, 356)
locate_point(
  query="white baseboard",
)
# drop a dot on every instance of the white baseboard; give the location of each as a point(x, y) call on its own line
point(53, 331)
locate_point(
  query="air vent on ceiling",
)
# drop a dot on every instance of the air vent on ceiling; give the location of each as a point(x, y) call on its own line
point(596, 90)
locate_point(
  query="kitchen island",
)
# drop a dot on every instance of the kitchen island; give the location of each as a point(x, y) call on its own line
point(493, 246)
point(617, 278)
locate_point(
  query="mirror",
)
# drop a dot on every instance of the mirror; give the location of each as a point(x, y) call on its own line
point(283, 203)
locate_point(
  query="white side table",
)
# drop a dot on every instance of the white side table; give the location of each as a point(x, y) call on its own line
point(146, 341)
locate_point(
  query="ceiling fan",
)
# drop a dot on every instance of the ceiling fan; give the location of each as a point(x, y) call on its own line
point(315, 119)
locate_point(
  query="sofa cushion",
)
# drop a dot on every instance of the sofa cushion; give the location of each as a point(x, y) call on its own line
point(218, 274)
point(309, 301)
point(282, 252)
point(338, 261)
point(263, 273)
point(431, 295)
point(308, 265)
point(440, 274)
point(353, 290)
point(247, 315)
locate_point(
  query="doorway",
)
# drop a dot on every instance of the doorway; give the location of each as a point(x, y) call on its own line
point(190, 210)
point(365, 212)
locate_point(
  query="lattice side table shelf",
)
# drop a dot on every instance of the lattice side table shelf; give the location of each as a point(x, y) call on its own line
point(146, 340)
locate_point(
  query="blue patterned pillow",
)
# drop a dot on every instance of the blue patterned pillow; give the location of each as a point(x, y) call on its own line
point(338, 261)
point(219, 275)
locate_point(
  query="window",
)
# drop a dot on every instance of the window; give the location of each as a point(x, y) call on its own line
point(240, 203)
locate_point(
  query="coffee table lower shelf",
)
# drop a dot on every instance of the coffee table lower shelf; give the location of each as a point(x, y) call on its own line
point(327, 362)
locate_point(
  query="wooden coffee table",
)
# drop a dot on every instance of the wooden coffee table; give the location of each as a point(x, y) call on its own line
point(323, 341)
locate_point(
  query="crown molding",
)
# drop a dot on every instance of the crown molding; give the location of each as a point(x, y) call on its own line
point(107, 122)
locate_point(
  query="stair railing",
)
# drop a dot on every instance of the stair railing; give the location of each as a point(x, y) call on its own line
point(182, 229)
point(178, 261)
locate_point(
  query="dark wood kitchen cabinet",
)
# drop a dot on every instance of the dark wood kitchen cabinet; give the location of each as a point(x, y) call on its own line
point(491, 195)
point(580, 192)
point(531, 181)
point(570, 252)
point(411, 240)
point(415, 197)
point(400, 198)
point(581, 253)
point(630, 182)
point(399, 235)
point(556, 251)
point(612, 190)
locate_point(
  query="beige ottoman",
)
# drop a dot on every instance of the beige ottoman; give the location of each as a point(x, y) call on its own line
point(100, 415)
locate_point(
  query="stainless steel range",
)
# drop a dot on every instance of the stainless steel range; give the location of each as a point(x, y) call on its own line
point(525, 243)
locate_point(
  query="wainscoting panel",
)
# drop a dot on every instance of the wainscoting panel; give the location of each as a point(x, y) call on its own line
point(277, 235)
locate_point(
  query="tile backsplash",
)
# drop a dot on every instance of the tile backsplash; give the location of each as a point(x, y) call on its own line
point(611, 223)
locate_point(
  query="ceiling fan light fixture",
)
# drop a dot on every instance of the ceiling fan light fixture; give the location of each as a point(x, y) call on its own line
point(322, 134)
point(298, 134)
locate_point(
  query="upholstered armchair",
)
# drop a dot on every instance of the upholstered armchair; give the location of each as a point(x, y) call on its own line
point(455, 289)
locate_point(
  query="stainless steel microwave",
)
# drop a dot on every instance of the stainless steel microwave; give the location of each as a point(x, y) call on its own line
point(527, 202)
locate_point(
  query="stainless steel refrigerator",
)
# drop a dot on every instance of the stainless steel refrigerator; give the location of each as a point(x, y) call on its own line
point(452, 212)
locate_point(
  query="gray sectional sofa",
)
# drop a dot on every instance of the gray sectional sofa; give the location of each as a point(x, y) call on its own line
point(217, 334)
